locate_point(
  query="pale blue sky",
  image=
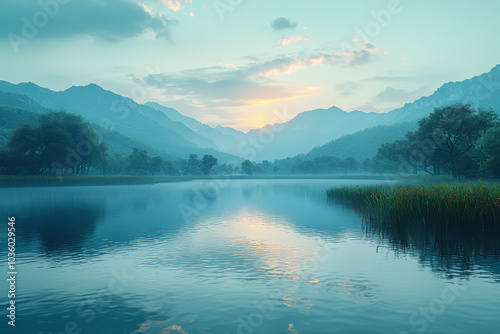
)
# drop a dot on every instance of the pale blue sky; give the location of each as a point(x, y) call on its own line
point(224, 62)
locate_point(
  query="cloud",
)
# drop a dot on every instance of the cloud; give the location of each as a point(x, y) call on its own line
point(350, 57)
point(283, 23)
point(369, 107)
point(287, 41)
point(362, 52)
point(174, 5)
point(222, 87)
point(348, 88)
point(391, 78)
point(254, 82)
point(398, 96)
point(276, 67)
point(105, 20)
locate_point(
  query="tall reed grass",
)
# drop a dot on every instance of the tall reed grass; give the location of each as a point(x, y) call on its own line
point(447, 206)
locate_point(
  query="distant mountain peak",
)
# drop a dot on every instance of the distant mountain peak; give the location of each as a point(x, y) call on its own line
point(334, 108)
point(32, 86)
point(314, 112)
point(89, 87)
point(29, 84)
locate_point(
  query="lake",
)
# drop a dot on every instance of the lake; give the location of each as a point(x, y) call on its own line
point(239, 256)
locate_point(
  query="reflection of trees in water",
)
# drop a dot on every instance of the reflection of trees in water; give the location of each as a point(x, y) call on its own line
point(61, 226)
point(452, 253)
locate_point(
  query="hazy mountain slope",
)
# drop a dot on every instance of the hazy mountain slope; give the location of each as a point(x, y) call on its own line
point(482, 90)
point(223, 141)
point(310, 129)
point(42, 96)
point(231, 132)
point(130, 118)
point(314, 128)
point(174, 115)
point(19, 101)
point(118, 142)
point(113, 111)
point(169, 130)
point(160, 118)
point(11, 118)
point(363, 144)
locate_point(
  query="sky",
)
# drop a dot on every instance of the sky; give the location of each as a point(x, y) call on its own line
point(248, 63)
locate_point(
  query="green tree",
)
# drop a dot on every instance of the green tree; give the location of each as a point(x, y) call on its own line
point(156, 165)
point(193, 166)
point(208, 162)
point(267, 167)
point(53, 140)
point(247, 167)
point(169, 168)
point(100, 158)
point(60, 141)
point(117, 163)
point(11, 164)
point(25, 150)
point(451, 131)
point(398, 155)
point(81, 143)
point(488, 148)
point(305, 167)
point(367, 165)
point(138, 162)
point(350, 164)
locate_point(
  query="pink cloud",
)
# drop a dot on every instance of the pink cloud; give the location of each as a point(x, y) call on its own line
point(174, 5)
point(317, 61)
point(282, 68)
point(287, 41)
point(363, 53)
point(147, 9)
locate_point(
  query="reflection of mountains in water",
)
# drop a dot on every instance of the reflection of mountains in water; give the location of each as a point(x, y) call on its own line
point(453, 253)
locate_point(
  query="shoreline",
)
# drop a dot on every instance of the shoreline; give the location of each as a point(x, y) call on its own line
point(11, 181)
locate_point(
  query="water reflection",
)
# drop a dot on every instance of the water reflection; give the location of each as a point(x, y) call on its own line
point(61, 227)
point(93, 313)
point(248, 246)
point(450, 253)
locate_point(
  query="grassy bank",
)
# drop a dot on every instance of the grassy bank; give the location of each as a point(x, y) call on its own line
point(448, 206)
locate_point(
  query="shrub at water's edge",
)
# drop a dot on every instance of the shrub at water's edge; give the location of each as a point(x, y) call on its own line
point(449, 206)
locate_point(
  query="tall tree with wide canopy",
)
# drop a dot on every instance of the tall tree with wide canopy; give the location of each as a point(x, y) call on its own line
point(60, 141)
point(451, 131)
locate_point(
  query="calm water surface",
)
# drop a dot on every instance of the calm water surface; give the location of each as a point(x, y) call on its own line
point(248, 256)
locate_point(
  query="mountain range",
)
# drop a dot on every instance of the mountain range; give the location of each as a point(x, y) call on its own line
point(167, 132)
